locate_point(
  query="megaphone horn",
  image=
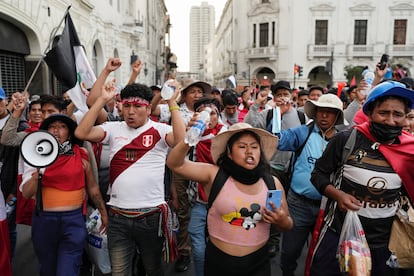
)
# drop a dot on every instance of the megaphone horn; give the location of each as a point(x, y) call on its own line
point(44, 147)
point(39, 149)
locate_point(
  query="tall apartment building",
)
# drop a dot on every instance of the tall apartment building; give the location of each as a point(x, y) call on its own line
point(201, 33)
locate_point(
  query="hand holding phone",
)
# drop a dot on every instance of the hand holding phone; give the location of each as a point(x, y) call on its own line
point(384, 61)
point(274, 196)
point(134, 58)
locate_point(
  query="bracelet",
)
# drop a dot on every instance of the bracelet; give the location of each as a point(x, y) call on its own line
point(175, 107)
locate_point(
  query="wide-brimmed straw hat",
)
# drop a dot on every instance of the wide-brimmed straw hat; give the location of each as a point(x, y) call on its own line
point(329, 101)
point(201, 84)
point(268, 142)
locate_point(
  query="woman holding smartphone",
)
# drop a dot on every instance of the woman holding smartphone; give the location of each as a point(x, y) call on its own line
point(238, 221)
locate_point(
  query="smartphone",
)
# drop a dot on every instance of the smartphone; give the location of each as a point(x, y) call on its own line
point(384, 61)
point(134, 58)
point(274, 196)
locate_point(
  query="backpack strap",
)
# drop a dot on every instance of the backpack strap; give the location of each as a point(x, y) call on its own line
point(269, 180)
point(218, 183)
point(299, 150)
point(349, 146)
point(301, 116)
point(269, 117)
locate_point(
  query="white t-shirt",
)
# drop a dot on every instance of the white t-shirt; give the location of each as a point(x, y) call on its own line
point(137, 163)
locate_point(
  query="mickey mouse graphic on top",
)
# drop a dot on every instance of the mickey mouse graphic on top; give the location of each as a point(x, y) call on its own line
point(245, 218)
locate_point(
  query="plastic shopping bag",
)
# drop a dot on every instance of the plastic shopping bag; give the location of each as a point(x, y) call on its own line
point(97, 244)
point(353, 251)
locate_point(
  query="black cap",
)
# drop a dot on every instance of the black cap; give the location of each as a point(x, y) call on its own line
point(281, 85)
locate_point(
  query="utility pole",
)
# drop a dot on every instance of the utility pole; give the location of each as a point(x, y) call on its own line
point(329, 65)
point(295, 72)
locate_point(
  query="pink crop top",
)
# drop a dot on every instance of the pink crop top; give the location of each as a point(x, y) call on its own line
point(235, 217)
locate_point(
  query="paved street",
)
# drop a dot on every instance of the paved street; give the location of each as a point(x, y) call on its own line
point(25, 260)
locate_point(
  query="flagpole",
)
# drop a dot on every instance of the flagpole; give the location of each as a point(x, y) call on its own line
point(52, 37)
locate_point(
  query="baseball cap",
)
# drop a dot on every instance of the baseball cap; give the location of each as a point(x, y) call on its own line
point(388, 88)
point(281, 85)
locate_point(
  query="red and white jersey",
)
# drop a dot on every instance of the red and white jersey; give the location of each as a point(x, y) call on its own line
point(137, 163)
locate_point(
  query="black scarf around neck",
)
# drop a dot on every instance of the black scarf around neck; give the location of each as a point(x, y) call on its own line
point(242, 175)
point(66, 148)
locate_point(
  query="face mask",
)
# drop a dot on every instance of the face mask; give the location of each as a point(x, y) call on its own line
point(384, 133)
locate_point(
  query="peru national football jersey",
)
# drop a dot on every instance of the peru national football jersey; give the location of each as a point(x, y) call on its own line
point(137, 163)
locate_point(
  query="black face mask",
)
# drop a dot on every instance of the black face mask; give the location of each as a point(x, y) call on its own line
point(384, 133)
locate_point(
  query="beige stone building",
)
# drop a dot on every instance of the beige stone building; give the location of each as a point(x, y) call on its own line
point(264, 39)
point(106, 28)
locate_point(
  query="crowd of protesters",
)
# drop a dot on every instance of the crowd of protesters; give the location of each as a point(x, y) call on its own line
point(128, 157)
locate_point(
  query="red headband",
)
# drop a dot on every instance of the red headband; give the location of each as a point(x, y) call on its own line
point(135, 101)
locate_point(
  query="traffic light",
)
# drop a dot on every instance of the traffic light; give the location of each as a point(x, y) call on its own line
point(295, 69)
point(300, 71)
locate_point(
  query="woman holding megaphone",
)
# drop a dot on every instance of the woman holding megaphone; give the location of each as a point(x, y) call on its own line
point(58, 225)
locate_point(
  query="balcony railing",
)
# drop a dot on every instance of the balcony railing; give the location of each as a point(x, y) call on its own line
point(360, 51)
point(400, 50)
point(262, 53)
point(319, 51)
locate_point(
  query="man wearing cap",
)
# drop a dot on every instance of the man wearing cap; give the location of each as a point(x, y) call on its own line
point(279, 163)
point(303, 199)
point(379, 168)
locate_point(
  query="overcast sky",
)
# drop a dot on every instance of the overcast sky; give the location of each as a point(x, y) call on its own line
point(179, 11)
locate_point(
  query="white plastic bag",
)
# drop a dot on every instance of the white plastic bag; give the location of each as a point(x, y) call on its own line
point(353, 251)
point(97, 246)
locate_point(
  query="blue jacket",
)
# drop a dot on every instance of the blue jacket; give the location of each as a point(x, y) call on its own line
point(291, 140)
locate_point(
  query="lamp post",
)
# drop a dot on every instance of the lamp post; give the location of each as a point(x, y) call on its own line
point(145, 69)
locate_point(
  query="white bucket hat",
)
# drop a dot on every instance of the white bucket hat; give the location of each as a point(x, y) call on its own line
point(329, 101)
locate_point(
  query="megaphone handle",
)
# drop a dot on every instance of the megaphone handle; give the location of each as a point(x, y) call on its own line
point(39, 200)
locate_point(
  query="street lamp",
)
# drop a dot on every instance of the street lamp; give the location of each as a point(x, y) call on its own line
point(145, 69)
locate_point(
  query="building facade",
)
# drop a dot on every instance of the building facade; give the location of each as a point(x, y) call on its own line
point(265, 39)
point(106, 28)
point(202, 24)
